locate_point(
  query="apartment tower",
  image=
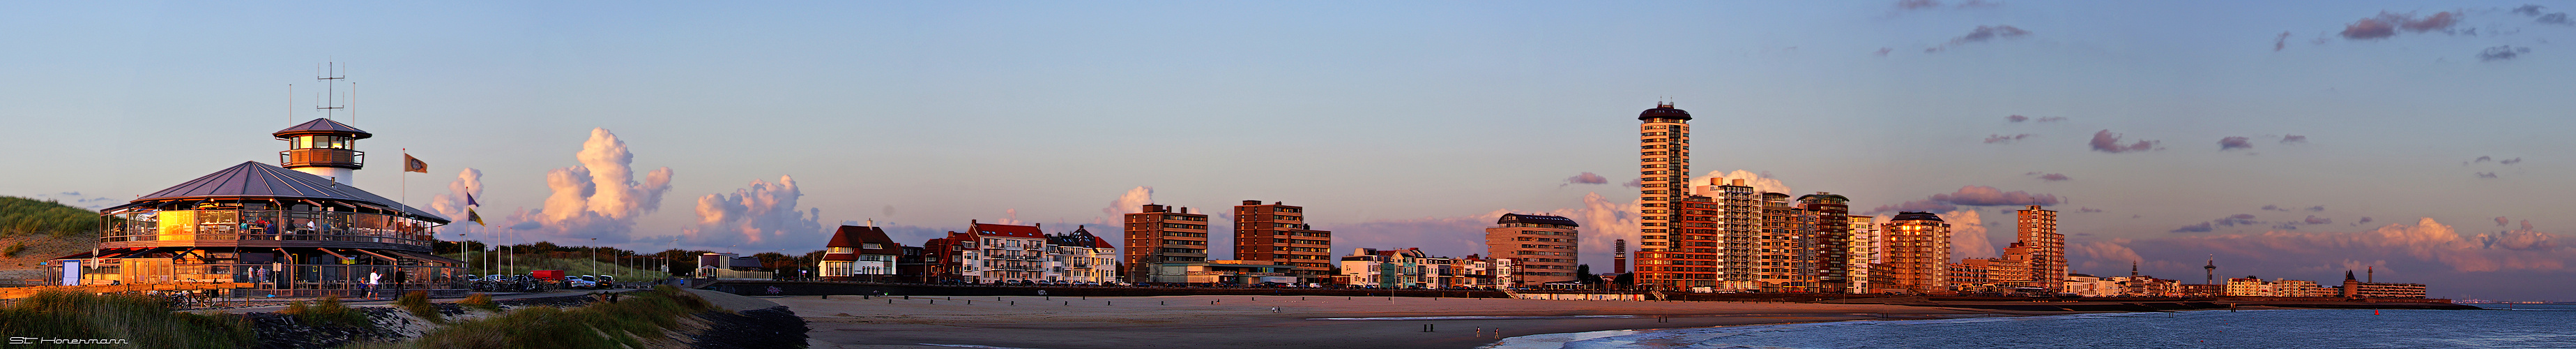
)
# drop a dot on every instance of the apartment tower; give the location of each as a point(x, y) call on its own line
point(1832, 228)
point(1541, 247)
point(1663, 156)
point(1918, 253)
point(2047, 248)
point(1278, 233)
point(1163, 234)
point(1862, 251)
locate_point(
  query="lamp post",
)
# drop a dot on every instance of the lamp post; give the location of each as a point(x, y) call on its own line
point(594, 256)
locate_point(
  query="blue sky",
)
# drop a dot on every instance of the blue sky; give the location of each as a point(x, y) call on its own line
point(1396, 124)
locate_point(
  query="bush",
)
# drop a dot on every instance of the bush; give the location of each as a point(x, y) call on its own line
point(14, 249)
point(327, 312)
point(140, 320)
point(417, 302)
point(480, 301)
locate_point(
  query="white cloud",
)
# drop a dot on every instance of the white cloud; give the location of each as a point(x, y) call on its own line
point(599, 198)
point(760, 213)
point(1968, 235)
point(1759, 182)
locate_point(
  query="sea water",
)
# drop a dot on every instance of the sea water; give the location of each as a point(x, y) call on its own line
point(2521, 326)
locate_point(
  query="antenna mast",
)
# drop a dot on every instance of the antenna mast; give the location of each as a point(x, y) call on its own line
point(331, 100)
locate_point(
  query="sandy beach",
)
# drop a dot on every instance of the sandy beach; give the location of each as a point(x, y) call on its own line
point(1249, 321)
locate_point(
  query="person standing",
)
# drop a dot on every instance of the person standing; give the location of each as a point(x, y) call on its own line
point(372, 276)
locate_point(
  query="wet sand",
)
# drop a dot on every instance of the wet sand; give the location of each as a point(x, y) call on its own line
point(1248, 321)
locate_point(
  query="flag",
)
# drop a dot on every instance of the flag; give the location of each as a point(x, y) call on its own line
point(469, 200)
point(471, 216)
point(412, 164)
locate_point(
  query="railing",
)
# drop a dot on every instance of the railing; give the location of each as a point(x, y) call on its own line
point(322, 157)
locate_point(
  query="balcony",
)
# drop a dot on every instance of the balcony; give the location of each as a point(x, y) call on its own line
point(324, 157)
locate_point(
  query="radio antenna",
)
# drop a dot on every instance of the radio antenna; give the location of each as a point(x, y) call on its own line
point(331, 104)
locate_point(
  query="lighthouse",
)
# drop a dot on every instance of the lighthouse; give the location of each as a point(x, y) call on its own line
point(323, 148)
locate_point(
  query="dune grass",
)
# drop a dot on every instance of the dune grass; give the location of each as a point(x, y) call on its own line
point(570, 266)
point(634, 321)
point(480, 301)
point(142, 321)
point(417, 302)
point(326, 312)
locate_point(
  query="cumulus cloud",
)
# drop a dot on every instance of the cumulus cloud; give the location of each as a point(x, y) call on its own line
point(2501, 221)
point(468, 181)
point(1974, 195)
point(1132, 202)
point(1968, 235)
point(1982, 34)
point(2108, 142)
point(1586, 178)
point(2287, 139)
point(2424, 244)
point(2054, 177)
point(2499, 53)
point(2016, 118)
point(1759, 181)
point(762, 212)
point(1602, 221)
point(599, 198)
point(2003, 139)
point(2233, 143)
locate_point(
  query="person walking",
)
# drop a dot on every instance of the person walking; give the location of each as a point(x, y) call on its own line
point(372, 276)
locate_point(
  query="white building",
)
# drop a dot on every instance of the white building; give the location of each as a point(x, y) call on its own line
point(1009, 252)
point(1080, 257)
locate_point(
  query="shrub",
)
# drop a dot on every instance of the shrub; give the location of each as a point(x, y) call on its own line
point(14, 249)
point(417, 302)
point(480, 301)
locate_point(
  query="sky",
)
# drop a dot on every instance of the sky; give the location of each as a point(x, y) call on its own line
point(2283, 140)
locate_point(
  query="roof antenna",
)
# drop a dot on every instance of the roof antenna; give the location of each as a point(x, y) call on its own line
point(331, 103)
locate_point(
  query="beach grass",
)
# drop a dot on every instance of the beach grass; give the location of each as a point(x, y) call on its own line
point(417, 302)
point(141, 321)
point(640, 320)
point(326, 312)
point(480, 301)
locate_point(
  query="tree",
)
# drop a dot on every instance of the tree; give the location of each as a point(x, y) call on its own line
point(1583, 273)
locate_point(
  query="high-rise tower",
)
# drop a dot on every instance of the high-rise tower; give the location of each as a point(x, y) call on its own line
point(1918, 253)
point(1663, 156)
point(1278, 233)
point(1832, 229)
point(2038, 231)
point(1164, 234)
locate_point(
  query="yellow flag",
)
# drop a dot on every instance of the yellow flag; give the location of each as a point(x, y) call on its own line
point(469, 215)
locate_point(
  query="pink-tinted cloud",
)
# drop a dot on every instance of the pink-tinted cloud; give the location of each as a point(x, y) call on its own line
point(2369, 29)
point(2501, 221)
point(1586, 178)
point(1759, 181)
point(2439, 20)
point(2425, 243)
point(759, 213)
point(1968, 235)
point(2108, 142)
point(1974, 195)
point(2004, 139)
point(1131, 202)
point(2234, 143)
point(599, 198)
